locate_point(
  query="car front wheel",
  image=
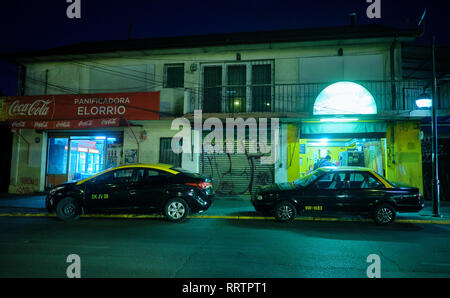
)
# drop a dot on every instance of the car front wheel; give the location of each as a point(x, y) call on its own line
point(176, 210)
point(384, 214)
point(285, 212)
point(68, 209)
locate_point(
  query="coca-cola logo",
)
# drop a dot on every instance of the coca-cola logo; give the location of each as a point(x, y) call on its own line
point(111, 121)
point(40, 124)
point(18, 124)
point(63, 124)
point(38, 107)
point(85, 123)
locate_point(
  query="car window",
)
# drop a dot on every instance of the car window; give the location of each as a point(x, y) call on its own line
point(103, 178)
point(155, 176)
point(363, 181)
point(306, 180)
point(331, 180)
point(123, 176)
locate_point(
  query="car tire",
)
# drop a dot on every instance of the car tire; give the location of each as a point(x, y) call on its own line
point(68, 209)
point(176, 210)
point(384, 214)
point(285, 212)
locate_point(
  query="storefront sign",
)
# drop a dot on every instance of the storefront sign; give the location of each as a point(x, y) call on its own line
point(80, 110)
point(64, 124)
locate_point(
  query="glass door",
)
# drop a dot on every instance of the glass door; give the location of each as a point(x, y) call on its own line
point(57, 161)
point(87, 157)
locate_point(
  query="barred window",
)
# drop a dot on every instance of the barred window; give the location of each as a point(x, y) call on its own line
point(166, 154)
point(174, 76)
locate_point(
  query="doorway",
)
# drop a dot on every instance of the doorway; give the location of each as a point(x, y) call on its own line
point(357, 152)
point(77, 157)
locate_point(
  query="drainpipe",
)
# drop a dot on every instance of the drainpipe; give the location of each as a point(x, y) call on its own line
point(137, 141)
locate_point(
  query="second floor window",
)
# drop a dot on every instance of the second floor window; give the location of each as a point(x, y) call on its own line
point(174, 76)
point(238, 87)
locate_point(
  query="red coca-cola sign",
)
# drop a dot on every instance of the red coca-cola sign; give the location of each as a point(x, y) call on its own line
point(36, 108)
point(70, 111)
point(131, 106)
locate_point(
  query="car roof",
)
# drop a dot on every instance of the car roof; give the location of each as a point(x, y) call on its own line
point(347, 169)
point(160, 166)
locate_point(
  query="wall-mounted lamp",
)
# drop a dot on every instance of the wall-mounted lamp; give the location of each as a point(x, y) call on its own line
point(193, 67)
point(143, 135)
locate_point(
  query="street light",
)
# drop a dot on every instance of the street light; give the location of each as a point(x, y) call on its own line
point(435, 183)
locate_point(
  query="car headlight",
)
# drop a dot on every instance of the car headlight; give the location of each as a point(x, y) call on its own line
point(259, 198)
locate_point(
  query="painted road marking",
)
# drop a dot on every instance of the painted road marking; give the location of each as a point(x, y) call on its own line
point(236, 217)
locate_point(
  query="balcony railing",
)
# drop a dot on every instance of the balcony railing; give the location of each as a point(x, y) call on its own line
point(300, 98)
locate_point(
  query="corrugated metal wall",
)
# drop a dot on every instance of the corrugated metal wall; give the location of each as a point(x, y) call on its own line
point(236, 173)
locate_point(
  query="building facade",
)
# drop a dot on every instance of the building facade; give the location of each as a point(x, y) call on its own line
point(334, 91)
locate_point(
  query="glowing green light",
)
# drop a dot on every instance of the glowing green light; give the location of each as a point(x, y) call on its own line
point(345, 98)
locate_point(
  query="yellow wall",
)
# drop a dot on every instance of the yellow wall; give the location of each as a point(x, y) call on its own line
point(293, 171)
point(404, 153)
point(402, 157)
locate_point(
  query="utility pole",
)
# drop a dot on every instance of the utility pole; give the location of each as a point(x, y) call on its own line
point(435, 183)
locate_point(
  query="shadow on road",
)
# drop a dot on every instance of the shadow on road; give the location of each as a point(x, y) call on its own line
point(364, 230)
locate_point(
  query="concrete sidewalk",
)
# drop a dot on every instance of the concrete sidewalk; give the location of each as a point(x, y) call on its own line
point(238, 207)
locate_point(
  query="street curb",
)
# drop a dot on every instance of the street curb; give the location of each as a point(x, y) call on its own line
point(232, 217)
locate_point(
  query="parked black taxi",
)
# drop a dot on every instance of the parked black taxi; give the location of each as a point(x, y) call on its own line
point(338, 190)
point(160, 188)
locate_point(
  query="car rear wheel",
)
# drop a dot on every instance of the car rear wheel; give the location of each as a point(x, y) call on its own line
point(384, 214)
point(285, 212)
point(176, 210)
point(68, 209)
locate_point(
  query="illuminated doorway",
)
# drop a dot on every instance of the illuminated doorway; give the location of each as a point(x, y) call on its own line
point(77, 157)
point(359, 152)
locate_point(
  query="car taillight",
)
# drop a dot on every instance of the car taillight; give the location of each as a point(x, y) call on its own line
point(202, 185)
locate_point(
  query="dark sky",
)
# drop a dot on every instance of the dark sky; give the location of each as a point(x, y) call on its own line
point(39, 24)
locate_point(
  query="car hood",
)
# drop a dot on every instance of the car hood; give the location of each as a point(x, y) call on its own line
point(66, 184)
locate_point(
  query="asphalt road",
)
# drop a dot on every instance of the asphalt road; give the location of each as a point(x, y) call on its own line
point(210, 248)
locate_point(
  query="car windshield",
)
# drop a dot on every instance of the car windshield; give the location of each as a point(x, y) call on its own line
point(306, 180)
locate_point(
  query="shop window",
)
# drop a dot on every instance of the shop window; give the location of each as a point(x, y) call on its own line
point(174, 76)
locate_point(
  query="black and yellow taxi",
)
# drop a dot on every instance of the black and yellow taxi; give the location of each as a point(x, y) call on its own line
point(158, 188)
point(336, 191)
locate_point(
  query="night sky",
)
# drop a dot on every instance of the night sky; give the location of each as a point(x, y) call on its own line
point(32, 25)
